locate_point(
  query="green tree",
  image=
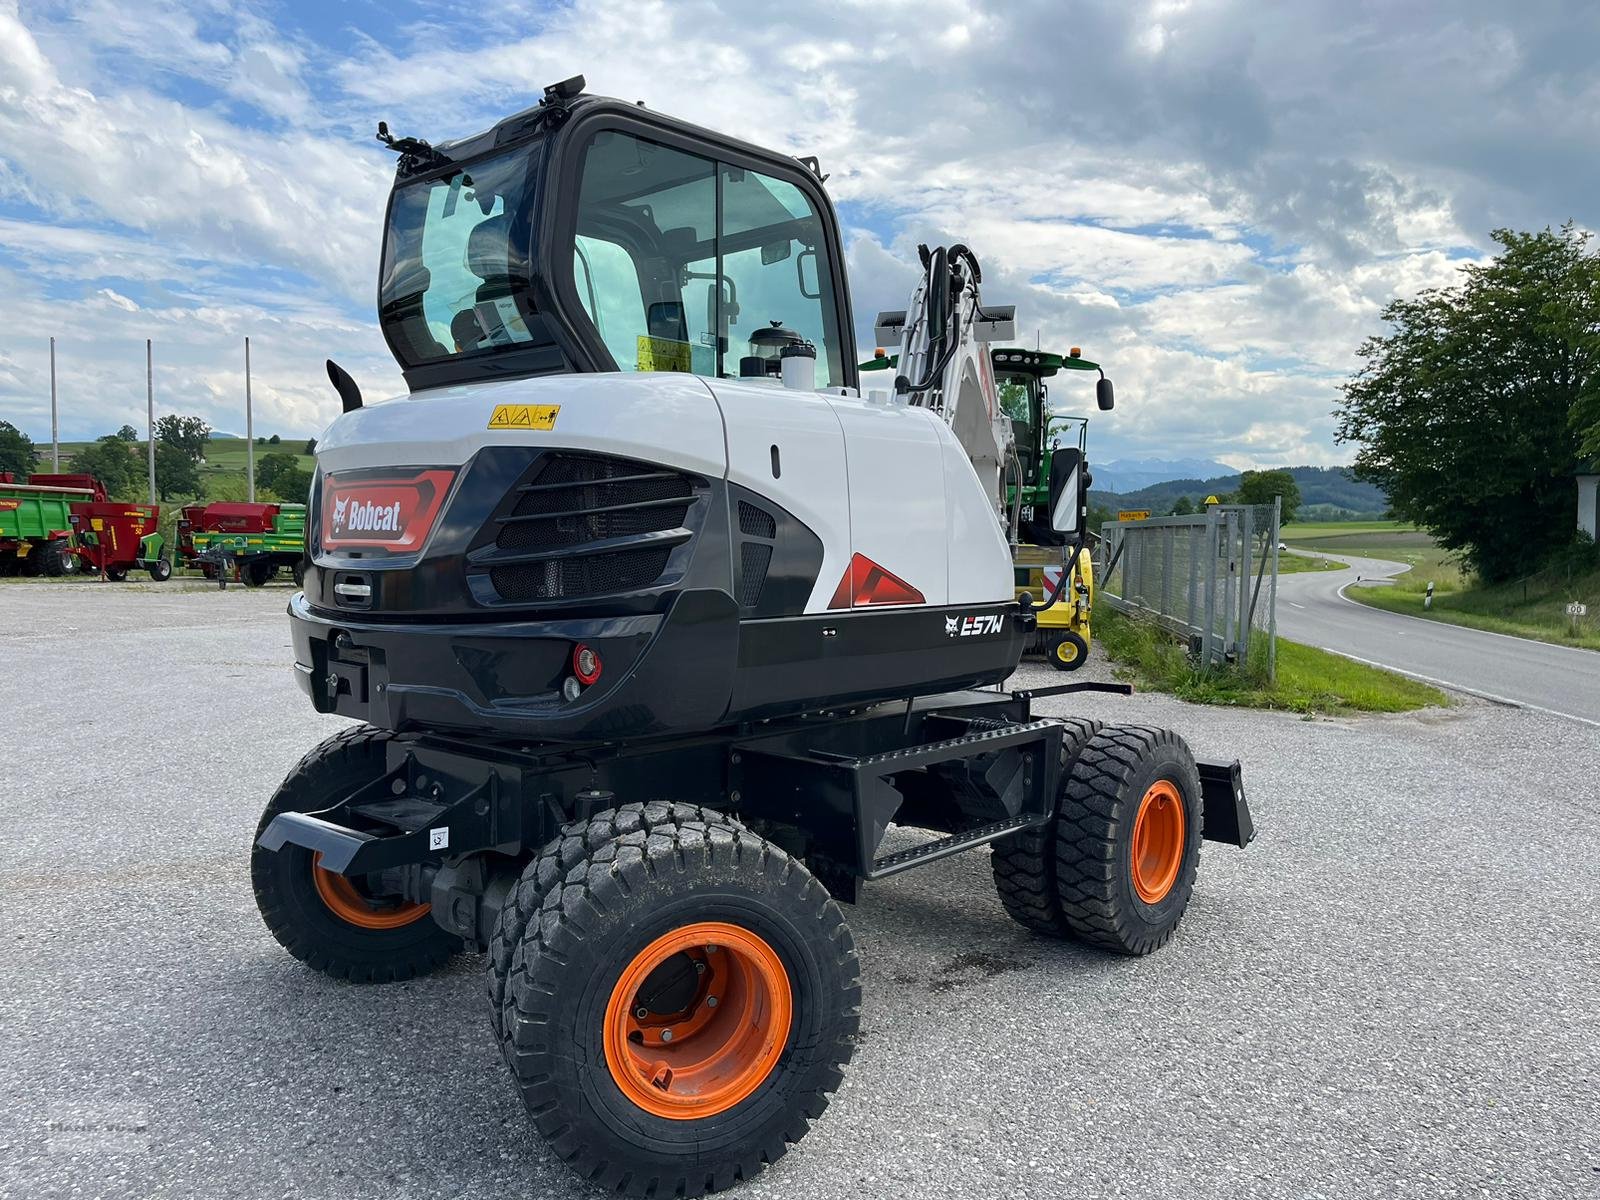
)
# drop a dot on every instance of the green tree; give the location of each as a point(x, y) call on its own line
point(126, 434)
point(188, 434)
point(112, 461)
point(1183, 507)
point(16, 450)
point(274, 440)
point(1259, 487)
point(1468, 411)
point(292, 485)
point(177, 475)
point(270, 466)
point(311, 446)
point(1013, 401)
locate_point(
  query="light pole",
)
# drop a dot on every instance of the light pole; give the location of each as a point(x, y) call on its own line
point(150, 411)
point(249, 429)
point(55, 428)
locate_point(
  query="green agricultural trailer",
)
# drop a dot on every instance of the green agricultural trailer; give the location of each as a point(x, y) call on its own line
point(251, 542)
point(36, 522)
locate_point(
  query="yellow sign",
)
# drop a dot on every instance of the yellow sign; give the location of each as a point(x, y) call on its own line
point(524, 416)
point(663, 354)
point(1210, 500)
point(1134, 514)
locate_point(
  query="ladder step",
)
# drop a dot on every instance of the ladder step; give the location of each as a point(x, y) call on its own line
point(954, 844)
point(951, 747)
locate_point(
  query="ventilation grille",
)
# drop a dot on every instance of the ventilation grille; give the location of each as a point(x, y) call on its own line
point(754, 559)
point(576, 500)
point(756, 522)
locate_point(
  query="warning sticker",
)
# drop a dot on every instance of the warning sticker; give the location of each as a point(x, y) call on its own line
point(663, 354)
point(524, 416)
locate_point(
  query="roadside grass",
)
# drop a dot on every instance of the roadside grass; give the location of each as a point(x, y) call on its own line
point(1314, 529)
point(1532, 608)
point(1309, 680)
point(1295, 564)
point(1428, 561)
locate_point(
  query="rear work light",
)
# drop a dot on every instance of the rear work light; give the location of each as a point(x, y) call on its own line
point(586, 664)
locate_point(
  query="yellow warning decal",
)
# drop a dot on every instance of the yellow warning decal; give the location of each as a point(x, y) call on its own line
point(524, 416)
point(663, 354)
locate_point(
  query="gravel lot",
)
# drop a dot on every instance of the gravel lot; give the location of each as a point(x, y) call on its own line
point(1392, 993)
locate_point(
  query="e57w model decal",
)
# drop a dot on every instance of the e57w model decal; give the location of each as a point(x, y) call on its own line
point(974, 625)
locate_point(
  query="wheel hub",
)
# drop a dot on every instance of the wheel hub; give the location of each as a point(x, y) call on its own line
point(697, 1021)
point(347, 902)
point(1158, 838)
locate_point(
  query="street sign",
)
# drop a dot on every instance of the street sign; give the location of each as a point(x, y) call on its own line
point(1577, 610)
point(1210, 500)
point(1134, 514)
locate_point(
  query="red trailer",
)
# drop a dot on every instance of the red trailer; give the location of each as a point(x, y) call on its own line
point(113, 538)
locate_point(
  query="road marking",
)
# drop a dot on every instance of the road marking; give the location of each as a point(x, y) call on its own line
point(1292, 604)
point(1481, 694)
point(1437, 624)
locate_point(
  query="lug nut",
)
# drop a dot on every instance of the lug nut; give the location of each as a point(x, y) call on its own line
point(700, 968)
point(641, 1012)
point(666, 1035)
point(711, 1001)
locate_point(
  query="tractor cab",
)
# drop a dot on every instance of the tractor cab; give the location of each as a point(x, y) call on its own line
point(586, 234)
point(1020, 377)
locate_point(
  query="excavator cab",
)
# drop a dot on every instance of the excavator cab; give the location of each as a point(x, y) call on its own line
point(590, 235)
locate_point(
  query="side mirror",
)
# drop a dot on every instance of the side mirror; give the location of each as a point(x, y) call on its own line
point(1066, 490)
point(1103, 395)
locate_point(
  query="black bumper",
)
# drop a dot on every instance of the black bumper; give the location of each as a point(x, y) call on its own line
point(663, 672)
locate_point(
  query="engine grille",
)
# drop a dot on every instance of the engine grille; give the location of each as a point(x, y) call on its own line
point(576, 500)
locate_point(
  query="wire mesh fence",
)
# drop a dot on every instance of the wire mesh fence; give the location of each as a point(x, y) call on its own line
point(1211, 579)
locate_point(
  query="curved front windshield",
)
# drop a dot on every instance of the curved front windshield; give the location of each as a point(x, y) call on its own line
point(456, 256)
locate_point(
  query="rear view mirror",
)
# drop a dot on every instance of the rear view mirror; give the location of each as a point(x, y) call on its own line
point(775, 252)
point(1066, 490)
point(1103, 395)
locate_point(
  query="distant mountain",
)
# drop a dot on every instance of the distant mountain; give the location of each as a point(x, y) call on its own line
point(1329, 491)
point(1131, 474)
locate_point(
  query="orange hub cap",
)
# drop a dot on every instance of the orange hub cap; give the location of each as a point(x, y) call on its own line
point(697, 1021)
point(347, 903)
point(1158, 838)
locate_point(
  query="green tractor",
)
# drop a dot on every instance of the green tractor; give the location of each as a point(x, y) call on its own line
point(1063, 623)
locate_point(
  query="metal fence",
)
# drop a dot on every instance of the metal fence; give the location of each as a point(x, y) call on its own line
point(1212, 579)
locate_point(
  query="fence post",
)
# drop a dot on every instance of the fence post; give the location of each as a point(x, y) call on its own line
point(1247, 536)
point(1272, 598)
point(1208, 633)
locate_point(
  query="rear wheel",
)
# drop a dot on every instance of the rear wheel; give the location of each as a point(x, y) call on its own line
point(1067, 651)
point(1024, 864)
point(1128, 839)
point(160, 570)
point(49, 559)
point(116, 574)
point(299, 572)
point(346, 927)
point(255, 572)
point(681, 1008)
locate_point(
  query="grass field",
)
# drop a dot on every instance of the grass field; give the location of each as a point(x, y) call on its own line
point(1389, 540)
point(1295, 564)
point(1308, 680)
point(1298, 530)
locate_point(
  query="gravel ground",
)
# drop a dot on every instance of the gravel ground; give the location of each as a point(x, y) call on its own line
point(1392, 993)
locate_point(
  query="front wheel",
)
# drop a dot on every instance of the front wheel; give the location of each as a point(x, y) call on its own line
point(346, 927)
point(1128, 839)
point(683, 1007)
point(116, 574)
point(160, 570)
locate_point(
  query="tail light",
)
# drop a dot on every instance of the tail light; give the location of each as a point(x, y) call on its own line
point(586, 664)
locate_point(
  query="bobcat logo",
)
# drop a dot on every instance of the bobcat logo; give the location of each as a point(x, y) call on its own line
point(979, 625)
point(339, 505)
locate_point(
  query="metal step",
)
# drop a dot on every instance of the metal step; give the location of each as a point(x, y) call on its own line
point(1003, 734)
point(954, 844)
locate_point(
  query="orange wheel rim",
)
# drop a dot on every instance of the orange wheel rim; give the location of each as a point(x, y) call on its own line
point(1158, 837)
point(348, 904)
point(697, 1021)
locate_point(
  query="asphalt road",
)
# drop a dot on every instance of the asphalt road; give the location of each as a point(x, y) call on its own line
point(1394, 992)
point(1313, 610)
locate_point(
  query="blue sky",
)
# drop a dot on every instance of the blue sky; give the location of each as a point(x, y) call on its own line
point(1214, 199)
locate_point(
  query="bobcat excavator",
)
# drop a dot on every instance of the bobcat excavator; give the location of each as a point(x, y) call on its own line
point(654, 623)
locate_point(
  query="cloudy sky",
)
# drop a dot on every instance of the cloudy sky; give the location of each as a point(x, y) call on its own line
point(1213, 199)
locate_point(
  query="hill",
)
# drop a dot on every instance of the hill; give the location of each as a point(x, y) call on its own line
point(1131, 474)
point(1327, 494)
